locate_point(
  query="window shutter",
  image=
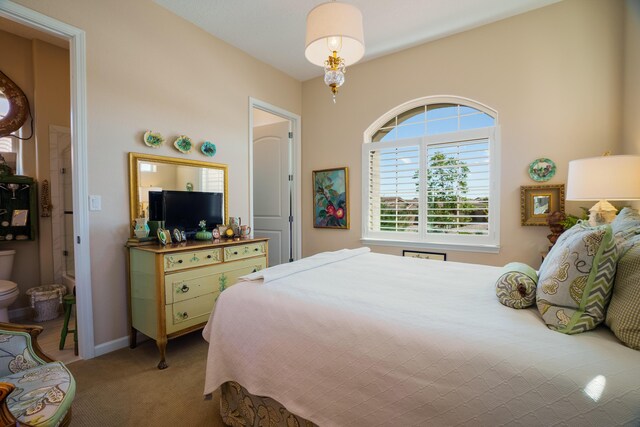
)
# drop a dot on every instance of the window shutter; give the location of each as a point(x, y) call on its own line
point(457, 185)
point(211, 180)
point(6, 145)
point(393, 189)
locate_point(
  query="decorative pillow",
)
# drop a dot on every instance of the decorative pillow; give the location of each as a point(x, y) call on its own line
point(625, 225)
point(516, 287)
point(576, 278)
point(623, 314)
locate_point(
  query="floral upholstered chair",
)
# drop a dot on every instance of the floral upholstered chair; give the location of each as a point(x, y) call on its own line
point(34, 390)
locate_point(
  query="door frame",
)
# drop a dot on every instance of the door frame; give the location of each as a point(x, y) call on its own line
point(296, 151)
point(80, 176)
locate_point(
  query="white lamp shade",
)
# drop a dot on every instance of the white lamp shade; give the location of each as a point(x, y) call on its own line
point(604, 178)
point(334, 19)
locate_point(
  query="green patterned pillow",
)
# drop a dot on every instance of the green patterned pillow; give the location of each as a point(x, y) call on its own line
point(623, 314)
point(516, 287)
point(576, 278)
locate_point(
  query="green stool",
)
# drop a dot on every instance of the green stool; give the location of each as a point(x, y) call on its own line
point(68, 301)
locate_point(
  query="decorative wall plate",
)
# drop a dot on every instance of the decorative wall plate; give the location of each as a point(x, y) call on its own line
point(153, 139)
point(183, 144)
point(541, 170)
point(208, 149)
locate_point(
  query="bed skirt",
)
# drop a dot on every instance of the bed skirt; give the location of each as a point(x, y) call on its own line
point(239, 408)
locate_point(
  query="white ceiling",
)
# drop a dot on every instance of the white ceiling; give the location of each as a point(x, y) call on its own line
point(273, 31)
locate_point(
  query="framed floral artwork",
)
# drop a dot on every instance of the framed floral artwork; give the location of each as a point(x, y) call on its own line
point(331, 198)
point(538, 201)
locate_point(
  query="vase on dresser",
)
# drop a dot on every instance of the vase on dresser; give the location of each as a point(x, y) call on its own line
point(203, 235)
point(141, 228)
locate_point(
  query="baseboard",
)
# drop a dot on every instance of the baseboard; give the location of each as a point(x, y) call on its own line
point(116, 344)
point(20, 313)
point(110, 346)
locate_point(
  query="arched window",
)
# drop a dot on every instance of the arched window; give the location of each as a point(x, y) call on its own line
point(430, 175)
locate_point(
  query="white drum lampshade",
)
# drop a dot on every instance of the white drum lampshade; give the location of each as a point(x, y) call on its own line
point(327, 23)
point(604, 178)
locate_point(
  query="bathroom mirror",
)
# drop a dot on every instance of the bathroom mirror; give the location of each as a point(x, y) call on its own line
point(14, 106)
point(148, 172)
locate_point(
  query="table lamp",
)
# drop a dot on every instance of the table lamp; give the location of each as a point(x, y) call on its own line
point(604, 178)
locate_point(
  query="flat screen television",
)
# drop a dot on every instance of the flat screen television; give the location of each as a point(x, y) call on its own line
point(185, 209)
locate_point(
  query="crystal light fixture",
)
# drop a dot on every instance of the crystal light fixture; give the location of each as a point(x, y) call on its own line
point(334, 40)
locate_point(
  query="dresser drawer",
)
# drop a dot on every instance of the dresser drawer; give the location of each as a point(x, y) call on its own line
point(189, 284)
point(232, 253)
point(191, 312)
point(182, 260)
point(235, 269)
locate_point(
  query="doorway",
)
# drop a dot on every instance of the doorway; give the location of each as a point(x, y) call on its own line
point(81, 240)
point(275, 181)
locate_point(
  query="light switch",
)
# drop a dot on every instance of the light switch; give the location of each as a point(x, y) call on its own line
point(95, 203)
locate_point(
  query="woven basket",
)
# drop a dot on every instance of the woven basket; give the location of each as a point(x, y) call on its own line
point(45, 301)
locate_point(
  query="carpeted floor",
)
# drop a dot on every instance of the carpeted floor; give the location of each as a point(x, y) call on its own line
point(124, 388)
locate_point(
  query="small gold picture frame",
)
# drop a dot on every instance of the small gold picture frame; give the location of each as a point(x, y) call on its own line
point(538, 201)
point(19, 217)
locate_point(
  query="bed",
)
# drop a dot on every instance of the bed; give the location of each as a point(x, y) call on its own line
point(354, 338)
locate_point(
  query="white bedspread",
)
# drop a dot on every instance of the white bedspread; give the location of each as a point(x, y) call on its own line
point(391, 341)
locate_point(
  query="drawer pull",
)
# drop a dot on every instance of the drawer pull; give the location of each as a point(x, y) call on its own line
point(209, 256)
point(179, 261)
point(182, 315)
point(235, 252)
point(184, 288)
point(256, 249)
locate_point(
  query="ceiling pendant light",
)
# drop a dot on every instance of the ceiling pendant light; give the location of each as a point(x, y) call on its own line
point(334, 40)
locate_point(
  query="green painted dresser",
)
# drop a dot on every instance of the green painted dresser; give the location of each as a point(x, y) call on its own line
point(173, 289)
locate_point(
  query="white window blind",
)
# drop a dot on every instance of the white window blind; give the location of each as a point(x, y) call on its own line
point(6, 145)
point(393, 189)
point(211, 180)
point(457, 183)
point(431, 174)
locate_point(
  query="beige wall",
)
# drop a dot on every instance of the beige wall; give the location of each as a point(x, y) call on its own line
point(42, 72)
point(552, 74)
point(149, 69)
point(631, 97)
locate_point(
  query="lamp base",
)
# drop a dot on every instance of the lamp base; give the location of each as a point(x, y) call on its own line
point(601, 213)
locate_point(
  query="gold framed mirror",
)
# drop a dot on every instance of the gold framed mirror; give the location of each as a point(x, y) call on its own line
point(148, 172)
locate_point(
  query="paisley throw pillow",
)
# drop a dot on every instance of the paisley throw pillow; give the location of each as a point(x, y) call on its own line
point(516, 287)
point(576, 278)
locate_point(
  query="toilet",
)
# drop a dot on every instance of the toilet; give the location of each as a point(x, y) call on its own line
point(8, 289)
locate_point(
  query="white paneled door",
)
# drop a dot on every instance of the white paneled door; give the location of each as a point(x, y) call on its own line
point(272, 188)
